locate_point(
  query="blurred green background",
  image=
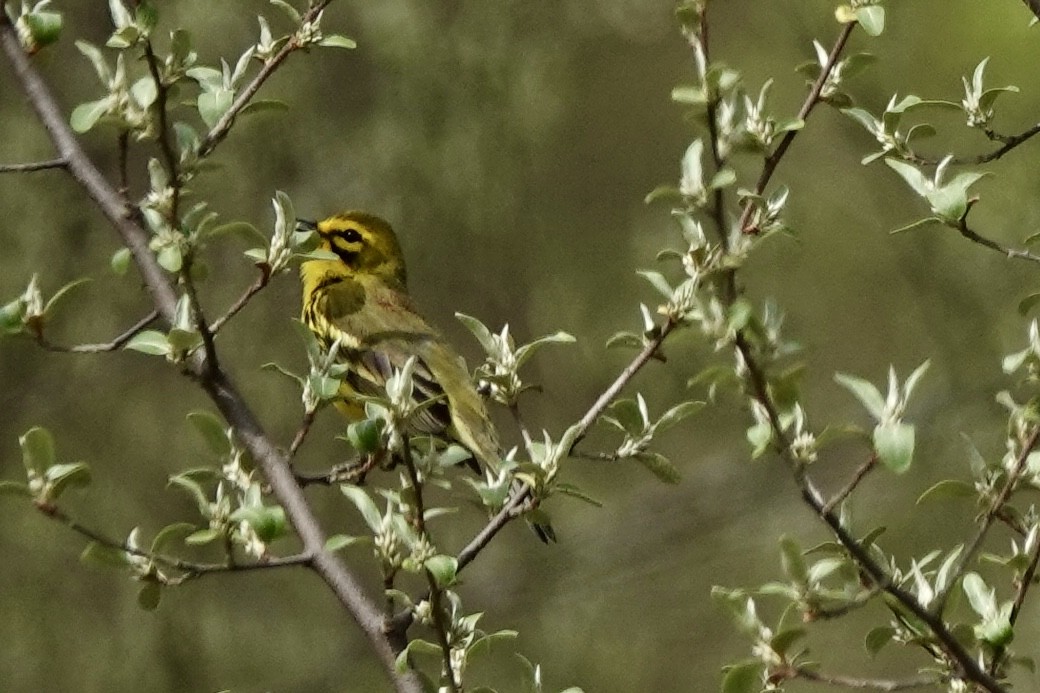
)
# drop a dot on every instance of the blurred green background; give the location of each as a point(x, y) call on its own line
point(511, 144)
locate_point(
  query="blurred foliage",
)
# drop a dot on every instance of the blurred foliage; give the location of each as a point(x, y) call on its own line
point(511, 144)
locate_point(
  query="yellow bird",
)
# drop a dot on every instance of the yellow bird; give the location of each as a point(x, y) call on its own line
point(361, 298)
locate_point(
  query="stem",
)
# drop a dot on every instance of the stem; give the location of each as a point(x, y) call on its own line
point(221, 128)
point(1012, 253)
point(864, 684)
point(170, 157)
point(34, 166)
point(813, 98)
point(436, 606)
point(273, 463)
point(857, 477)
point(255, 288)
point(189, 569)
point(113, 345)
point(510, 509)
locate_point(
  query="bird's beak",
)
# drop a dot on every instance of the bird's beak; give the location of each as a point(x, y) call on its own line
point(304, 225)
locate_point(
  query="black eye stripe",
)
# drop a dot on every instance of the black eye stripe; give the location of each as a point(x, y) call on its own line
point(348, 235)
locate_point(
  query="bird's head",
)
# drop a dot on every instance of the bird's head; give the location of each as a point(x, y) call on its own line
point(363, 243)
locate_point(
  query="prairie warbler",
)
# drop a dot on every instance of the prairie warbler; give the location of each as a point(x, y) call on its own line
point(361, 299)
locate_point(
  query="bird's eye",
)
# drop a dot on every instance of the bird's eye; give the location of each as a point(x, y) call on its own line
point(351, 235)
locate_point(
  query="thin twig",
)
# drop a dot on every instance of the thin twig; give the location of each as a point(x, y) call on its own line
point(1013, 253)
point(34, 166)
point(209, 347)
point(865, 684)
point(254, 288)
point(170, 157)
point(877, 573)
point(1008, 143)
point(116, 343)
point(813, 98)
point(302, 431)
point(973, 546)
point(188, 569)
point(274, 464)
point(857, 477)
point(440, 628)
point(221, 128)
point(510, 509)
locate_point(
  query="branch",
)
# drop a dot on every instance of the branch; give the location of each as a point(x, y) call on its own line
point(34, 166)
point(113, 345)
point(974, 237)
point(511, 508)
point(1017, 469)
point(864, 684)
point(221, 128)
point(171, 159)
point(190, 569)
point(254, 289)
point(435, 594)
point(272, 462)
point(813, 98)
point(857, 477)
point(877, 573)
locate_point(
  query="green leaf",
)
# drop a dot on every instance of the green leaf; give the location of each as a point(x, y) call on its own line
point(338, 542)
point(365, 436)
point(871, 18)
point(912, 175)
point(980, 595)
point(689, 95)
point(948, 488)
point(877, 638)
point(1028, 303)
point(416, 646)
point(527, 350)
point(337, 41)
point(894, 443)
point(575, 492)
point(203, 536)
point(214, 104)
point(61, 293)
point(793, 561)
point(365, 506)
point(663, 192)
point(660, 466)
point(144, 92)
point(264, 106)
point(62, 476)
point(86, 115)
point(658, 281)
point(120, 261)
point(170, 258)
point(45, 27)
point(149, 595)
point(917, 224)
point(37, 450)
point(745, 677)
point(106, 556)
point(480, 331)
point(676, 414)
point(785, 639)
point(268, 521)
point(213, 431)
point(443, 568)
point(169, 533)
point(289, 10)
point(627, 340)
point(150, 342)
point(865, 392)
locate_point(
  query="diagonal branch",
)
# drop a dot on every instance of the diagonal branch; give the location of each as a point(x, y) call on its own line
point(221, 128)
point(114, 344)
point(272, 462)
point(34, 166)
point(512, 507)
